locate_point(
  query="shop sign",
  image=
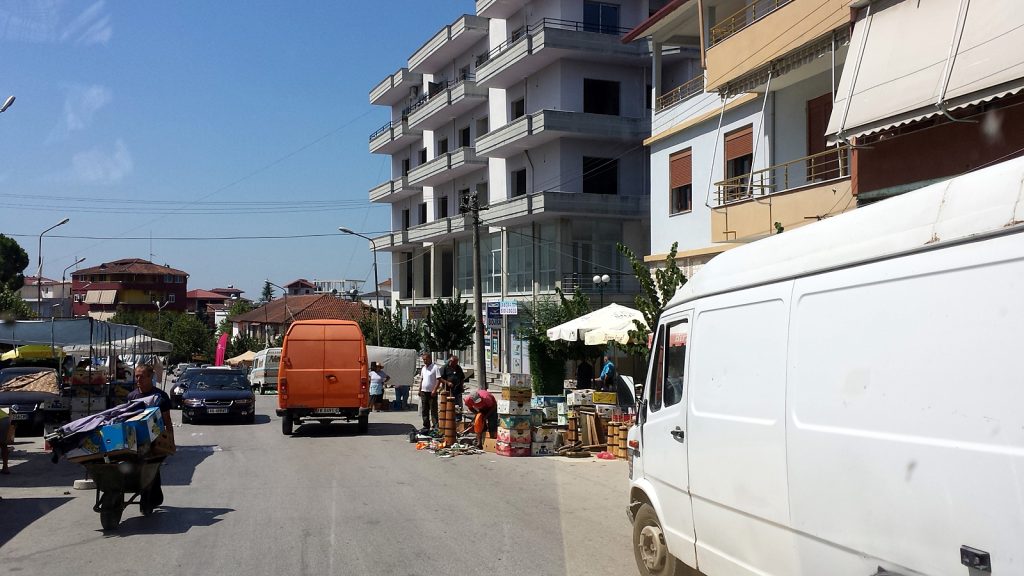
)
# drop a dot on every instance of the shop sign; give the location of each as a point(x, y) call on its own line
point(509, 307)
point(419, 312)
point(493, 314)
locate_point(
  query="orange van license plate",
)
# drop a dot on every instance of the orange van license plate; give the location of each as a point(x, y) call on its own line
point(326, 411)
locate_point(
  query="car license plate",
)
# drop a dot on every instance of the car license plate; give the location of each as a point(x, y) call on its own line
point(326, 411)
point(19, 417)
point(216, 410)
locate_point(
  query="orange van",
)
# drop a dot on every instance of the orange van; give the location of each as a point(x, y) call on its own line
point(323, 374)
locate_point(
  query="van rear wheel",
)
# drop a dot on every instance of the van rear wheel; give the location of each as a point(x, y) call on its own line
point(652, 555)
point(286, 424)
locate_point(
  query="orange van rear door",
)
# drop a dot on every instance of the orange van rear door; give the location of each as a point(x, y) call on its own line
point(305, 365)
point(344, 367)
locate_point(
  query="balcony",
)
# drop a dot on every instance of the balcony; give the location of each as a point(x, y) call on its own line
point(523, 209)
point(680, 93)
point(790, 194)
point(538, 128)
point(765, 30)
point(395, 87)
point(393, 136)
point(393, 191)
point(498, 8)
point(447, 167)
point(440, 229)
point(393, 242)
point(452, 41)
point(549, 40)
point(456, 99)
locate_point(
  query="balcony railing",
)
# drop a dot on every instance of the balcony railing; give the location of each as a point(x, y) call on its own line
point(520, 35)
point(821, 167)
point(746, 16)
point(381, 130)
point(444, 88)
point(684, 91)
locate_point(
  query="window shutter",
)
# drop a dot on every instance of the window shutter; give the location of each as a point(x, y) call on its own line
point(739, 143)
point(680, 166)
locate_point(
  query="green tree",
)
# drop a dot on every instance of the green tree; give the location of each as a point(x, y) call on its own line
point(189, 337)
point(146, 320)
point(13, 261)
point(449, 327)
point(393, 331)
point(243, 343)
point(238, 307)
point(657, 287)
point(13, 307)
point(548, 357)
point(268, 293)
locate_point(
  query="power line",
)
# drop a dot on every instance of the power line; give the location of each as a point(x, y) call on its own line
point(183, 238)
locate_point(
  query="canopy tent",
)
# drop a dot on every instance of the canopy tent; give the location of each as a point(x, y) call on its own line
point(31, 351)
point(143, 344)
point(609, 324)
point(66, 332)
point(244, 358)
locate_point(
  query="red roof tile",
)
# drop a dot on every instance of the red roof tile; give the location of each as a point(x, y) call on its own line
point(205, 295)
point(306, 307)
point(130, 266)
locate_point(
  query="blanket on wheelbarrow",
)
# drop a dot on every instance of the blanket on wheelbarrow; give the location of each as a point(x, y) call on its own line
point(70, 435)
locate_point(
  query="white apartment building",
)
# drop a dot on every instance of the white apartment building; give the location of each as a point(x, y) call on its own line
point(743, 91)
point(540, 109)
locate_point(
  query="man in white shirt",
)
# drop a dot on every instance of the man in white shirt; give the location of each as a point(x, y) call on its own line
point(428, 391)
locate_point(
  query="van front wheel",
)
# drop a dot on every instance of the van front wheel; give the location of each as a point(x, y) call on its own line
point(363, 424)
point(652, 555)
point(286, 424)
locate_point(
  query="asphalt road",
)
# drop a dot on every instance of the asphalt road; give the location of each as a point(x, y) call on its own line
point(244, 499)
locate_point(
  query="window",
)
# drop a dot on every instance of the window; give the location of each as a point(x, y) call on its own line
point(547, 256)
point(405, 219)
point(481, 126)
point(447, 274)
point(656, 390)
point(464, 138)
point(518, 182)
point(600, 175)
point(168, 279)
point(463, 73)
point(426, 276)
point(442, 207)
point(422, 213)
point(600, 97)
point(464, 200)
point(170, 298)
point(675, 362)
point(490, 263)
point(442, 146)
point(407, 266)
point(601, 17)
point(520, 259)
point(680, 182)
point(423, 156)
point(464, 265)
point(405, 166)
point(518, 108)
point(739, 157)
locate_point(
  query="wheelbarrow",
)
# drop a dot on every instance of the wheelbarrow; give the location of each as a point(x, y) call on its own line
point(128, 474)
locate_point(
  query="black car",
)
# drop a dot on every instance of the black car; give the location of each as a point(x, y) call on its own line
point(218, 393)
point(28, 409)
point(180, 385)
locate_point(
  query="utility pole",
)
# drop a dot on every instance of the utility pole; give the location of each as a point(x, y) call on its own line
point(472, 205)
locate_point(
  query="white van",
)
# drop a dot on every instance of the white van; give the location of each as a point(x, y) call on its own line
point(846, 398)
point(263, 375)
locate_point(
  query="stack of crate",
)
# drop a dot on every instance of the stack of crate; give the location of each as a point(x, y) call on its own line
point(514, 425)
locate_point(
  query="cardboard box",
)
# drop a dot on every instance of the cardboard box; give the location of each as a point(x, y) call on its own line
point(514, 422)
point(604, 397)
point(536, 417)
point(542, 449)
point(164, 444)
point(109, 440)
point(85, 404)
point(513, 408)
point(580, 398)
point(607, 411)
point(85, 391)
point(513, 436)
point(545, 434)
point(516, 394)
point(563, 408)
point(518, 381)
point(490, 445)
point(550, 413)
point(563, 420)
point(148, 425)
point(545, 401)
point(504, 449)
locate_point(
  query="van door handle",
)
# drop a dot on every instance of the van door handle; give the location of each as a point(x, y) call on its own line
point(679, 434)
point(331, 377)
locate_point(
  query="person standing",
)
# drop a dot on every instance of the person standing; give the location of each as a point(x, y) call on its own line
point(377, 380)
point(584, 375)
point(429, 375)
point(607, 374)
point(454, 378)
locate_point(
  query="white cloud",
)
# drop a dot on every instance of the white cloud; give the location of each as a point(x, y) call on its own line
point(80, 105)
point(102, 167)
point(44, 21)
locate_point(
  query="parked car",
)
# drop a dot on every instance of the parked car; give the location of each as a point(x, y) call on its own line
point(323, 374)
point(218, 393)
point(28, 410)
point(264, 370)
point(180, 385)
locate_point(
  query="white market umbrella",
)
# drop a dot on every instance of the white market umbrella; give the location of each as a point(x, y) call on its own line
point(611, 323)
point(144, 345)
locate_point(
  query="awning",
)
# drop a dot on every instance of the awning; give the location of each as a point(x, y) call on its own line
point(908, 60)
point(100, 315)
point(101, 296)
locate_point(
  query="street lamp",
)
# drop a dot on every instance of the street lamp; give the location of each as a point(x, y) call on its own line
point(159, 308)
point(7, 104)
point(39, 270)
point(65, 273)
point(376, 281)
point(602, 280)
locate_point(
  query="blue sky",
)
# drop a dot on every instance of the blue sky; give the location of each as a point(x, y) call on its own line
point(201, 119)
